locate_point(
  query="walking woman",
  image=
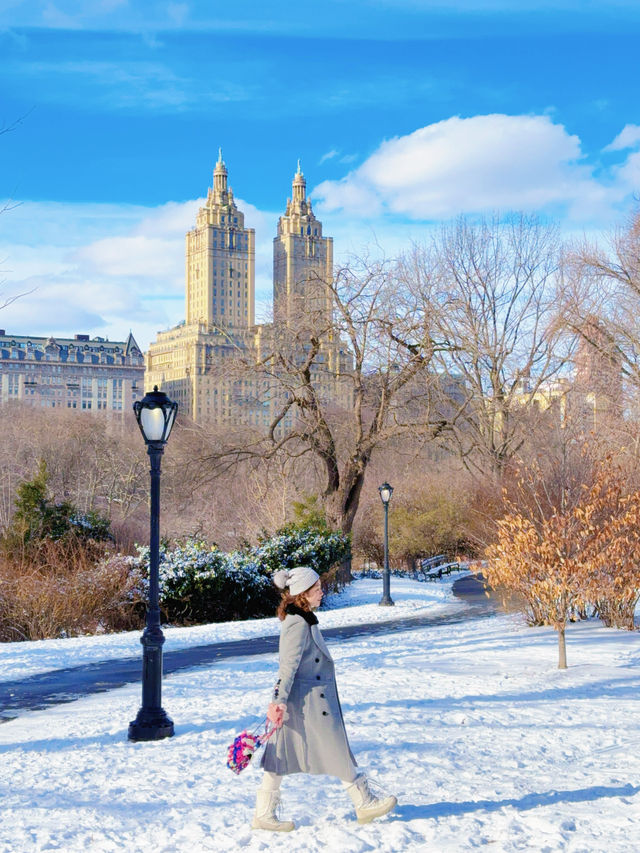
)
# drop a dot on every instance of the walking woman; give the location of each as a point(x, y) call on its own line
point(305, 708)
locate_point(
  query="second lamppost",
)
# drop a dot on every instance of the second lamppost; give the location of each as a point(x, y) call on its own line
point(385, 496)
point(155, 414)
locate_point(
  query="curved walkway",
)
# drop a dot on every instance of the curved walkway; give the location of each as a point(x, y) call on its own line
point(66, 685)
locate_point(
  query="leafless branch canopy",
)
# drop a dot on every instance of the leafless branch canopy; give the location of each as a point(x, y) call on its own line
point(492, 290)
point(342, 385)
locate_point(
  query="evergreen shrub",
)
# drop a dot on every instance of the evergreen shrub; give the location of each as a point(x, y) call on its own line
point(300, 545)
point(199, 583)
point(38, 517)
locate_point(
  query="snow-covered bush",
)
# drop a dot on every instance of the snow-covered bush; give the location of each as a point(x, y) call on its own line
point(199, 583)
point(302, 546)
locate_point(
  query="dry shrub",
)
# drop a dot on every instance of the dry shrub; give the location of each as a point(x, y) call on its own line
point(618, 609)
point(559, 556)
point(66, 588)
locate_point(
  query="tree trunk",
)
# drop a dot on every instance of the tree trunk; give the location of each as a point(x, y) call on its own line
point(343, 498)
point(562, 649)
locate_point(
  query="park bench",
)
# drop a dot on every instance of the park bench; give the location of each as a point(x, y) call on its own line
point(438, 571)
point(433, 568)
point(431, 562)
point(428, 569)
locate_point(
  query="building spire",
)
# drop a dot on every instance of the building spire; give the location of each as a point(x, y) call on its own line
point(299, 186)
point(220, 178)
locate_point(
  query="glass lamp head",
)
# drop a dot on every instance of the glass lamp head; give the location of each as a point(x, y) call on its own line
point(385, 493)
point(155, 415)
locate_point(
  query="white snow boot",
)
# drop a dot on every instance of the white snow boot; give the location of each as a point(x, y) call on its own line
point(267, 803)
point(368, 805)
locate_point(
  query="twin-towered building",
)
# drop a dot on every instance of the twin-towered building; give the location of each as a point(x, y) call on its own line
point(195, 363)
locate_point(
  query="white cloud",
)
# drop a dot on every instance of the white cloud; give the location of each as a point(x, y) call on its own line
point(106, 269)
point(178, 13)
point(134, 256)
point(629, 137)
point(371, 17)
point(345, 159)
point(328, 156)
point(470, 165)
point(171, 219)
point(109, 269)
point(127, 84)
point(629, 172)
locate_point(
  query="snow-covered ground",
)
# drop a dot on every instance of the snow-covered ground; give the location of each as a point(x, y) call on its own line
point(483, 740)
point(357, 604)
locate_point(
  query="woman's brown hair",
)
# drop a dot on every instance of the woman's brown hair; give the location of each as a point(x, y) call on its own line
point(300, 600)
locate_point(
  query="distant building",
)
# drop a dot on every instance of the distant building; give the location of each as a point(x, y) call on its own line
point(598, 375)
point(196, 362)
point(592, 398)
point(302, 260)
point(551, 396)
point(220, 261)
point(71, 373)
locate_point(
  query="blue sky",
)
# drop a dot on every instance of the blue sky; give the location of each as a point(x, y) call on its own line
point(404, 113)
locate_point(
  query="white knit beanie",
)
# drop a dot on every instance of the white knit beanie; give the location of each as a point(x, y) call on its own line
point(298, 579)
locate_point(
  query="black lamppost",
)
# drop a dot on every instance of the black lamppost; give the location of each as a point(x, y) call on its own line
point(385, 496)
point(155, 414)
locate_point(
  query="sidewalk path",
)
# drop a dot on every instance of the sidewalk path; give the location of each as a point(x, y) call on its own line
point(66, 685)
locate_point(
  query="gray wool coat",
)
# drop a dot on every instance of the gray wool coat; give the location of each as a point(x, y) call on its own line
point(313, 738)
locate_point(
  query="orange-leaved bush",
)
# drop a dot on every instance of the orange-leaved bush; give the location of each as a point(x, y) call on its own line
point(557, 559)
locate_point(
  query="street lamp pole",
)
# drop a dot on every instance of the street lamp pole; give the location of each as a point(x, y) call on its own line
point(155, 414)
point(385, 496)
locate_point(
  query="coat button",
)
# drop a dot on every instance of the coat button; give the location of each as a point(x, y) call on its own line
point(322, 695)
point(317, 660)
point(318, 677)
point(325, 713)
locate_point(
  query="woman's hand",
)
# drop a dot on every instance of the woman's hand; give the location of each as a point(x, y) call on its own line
point(276, 712)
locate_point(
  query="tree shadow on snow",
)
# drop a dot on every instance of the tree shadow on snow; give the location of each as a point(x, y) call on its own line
point(90, 741)
point(529, 801)
point(610, 688)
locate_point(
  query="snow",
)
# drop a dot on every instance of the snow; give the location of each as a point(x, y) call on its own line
point(356, 605)
point(482, 739)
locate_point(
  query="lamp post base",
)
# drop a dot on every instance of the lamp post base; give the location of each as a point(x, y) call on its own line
point(151, 724)
point(386, 601)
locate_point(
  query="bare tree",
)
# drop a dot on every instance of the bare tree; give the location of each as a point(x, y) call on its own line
point(493, 290)
point(342, 386)
point(603, 304)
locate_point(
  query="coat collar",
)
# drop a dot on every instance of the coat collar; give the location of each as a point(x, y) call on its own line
point(319, 641)
point(312, 620)
point(309, 617)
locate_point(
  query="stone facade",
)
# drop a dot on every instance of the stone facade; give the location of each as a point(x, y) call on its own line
point(71, 373)
point(302, 260)
point(196, 362)
point(220, 261)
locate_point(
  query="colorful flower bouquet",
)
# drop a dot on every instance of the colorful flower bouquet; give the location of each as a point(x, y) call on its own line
point(244, 747)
